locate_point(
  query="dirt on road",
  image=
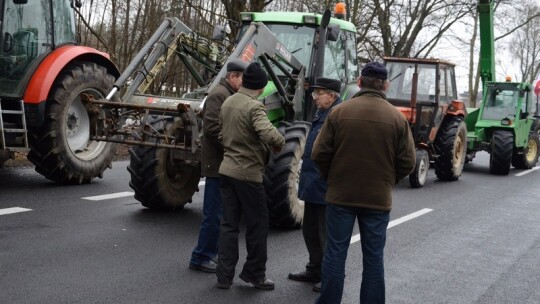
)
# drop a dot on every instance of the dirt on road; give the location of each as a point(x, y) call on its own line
point(20, 159)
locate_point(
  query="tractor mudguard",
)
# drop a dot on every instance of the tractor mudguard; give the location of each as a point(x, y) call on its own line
point(457, 108)
point(48, 70)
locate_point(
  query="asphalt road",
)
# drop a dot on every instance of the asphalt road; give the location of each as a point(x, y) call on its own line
point(476, 240)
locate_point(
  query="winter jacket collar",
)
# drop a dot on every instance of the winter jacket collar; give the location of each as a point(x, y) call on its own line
point(249, 92)
point(226, 84)
point(323, 113)
point(371, 93)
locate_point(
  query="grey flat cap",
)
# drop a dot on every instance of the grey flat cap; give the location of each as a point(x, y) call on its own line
point(236, 65)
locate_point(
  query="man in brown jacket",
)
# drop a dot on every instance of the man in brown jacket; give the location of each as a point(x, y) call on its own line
point(364, 148)
point(247, 136)
point(212, 154)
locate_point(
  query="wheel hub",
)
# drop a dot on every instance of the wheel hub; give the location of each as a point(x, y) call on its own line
point(72, 123)
point(532, 150)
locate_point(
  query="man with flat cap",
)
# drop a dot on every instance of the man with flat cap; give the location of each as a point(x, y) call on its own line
point(364, 148)
point(248, 138)
point(202, 257)
point(312, 188)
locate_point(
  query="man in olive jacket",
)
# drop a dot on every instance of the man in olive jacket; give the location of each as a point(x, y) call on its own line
point(248, 137)
point(364, 148)
point(212, 154)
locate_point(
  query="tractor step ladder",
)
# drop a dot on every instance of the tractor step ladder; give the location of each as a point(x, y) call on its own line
point(24, 131)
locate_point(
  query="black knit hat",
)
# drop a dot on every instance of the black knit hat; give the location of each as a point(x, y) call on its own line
point(254, 77)
point(376, 70)
point(327, 83)
point(236, 65)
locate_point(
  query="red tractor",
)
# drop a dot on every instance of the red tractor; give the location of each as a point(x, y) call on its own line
point(43, 76)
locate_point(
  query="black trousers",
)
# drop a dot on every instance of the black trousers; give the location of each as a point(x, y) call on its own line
point(246, 200)
point(314, 231)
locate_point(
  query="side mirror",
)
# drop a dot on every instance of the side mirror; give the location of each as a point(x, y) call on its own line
point(75, 3)
point(20, 1)
point(333, 32)
point(219, 33)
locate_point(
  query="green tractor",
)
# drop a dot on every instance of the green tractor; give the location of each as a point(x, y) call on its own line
point(504, 125)
point(294, 48)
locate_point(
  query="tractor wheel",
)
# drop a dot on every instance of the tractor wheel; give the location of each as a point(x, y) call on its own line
point(527, 157)
point(502, 147)
point(451, 146)
point(61, 148)
point(281, 177)
point(160, 182)
point(418, 177)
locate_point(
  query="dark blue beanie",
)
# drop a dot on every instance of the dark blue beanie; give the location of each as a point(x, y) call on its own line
point(376, 70)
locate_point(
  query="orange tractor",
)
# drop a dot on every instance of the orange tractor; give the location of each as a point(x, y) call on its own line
point(424, 90)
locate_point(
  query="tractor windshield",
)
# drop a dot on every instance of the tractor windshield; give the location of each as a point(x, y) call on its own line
point(26, 36)
point(500, 102)
point(401, 76)
point(299, 41)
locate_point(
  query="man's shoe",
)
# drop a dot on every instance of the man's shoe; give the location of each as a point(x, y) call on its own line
point(264, 283)
point(209, 267)
point(305, 276)
point(317, 287)
point(223, 285)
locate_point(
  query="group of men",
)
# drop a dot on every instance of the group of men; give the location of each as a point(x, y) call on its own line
point(355, 152)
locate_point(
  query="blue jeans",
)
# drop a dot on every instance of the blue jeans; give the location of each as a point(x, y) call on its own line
point(339, 228)
point(207, 245)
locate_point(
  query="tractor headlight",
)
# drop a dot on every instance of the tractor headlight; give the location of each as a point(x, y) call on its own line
point(310, 19)
point(246, 17)
point(506, 121)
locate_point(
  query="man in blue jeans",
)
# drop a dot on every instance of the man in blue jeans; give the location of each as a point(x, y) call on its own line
point(212, 155)
point(364, 148)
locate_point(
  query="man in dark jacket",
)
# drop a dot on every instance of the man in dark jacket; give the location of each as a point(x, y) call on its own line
point(247, 136)
point(212, 154)
point(364, 148)
point(312, 188)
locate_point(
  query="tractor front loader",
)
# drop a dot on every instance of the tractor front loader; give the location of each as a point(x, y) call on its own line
point(165, 132)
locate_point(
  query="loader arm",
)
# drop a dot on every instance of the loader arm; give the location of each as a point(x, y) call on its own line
point(174, 38)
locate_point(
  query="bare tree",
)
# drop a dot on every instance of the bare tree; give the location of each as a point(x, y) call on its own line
point(525, 45)
point(406, 28)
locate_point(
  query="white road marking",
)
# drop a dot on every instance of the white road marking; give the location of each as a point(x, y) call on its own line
point(108, 196)
point(117, 195)
point(528, 171)
point(13, 210)
point(401, 220)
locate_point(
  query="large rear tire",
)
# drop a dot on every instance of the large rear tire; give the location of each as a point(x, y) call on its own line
point(61, 148)
point(451, 146)
point(159, 182)
point(418, 177)
point(281, 177)
point(502, 147)
point(527, 157)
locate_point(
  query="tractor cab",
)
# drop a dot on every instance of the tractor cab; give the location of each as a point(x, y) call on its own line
point(422, 89)
point(298, 32)
point(29, 31)
point(506, 101)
